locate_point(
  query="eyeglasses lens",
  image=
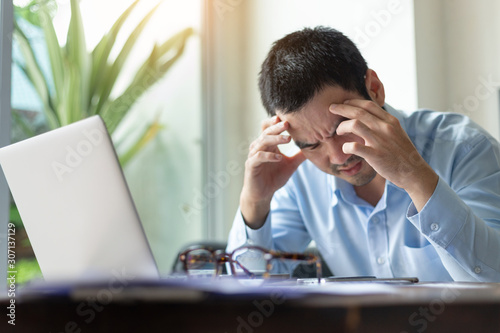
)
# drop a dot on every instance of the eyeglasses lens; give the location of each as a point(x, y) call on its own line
point(254, 260)
point(200, 263)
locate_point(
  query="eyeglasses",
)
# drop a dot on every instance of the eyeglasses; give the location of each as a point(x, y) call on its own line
point(246, 261)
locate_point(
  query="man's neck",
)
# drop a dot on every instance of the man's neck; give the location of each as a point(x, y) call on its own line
point(373, 191)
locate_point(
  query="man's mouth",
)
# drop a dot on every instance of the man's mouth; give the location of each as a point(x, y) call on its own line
point(351, 169)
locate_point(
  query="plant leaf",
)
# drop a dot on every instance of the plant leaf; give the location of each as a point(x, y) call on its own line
point(64, 103)
point(181, 44)
point(150, 72)
point(14, 215)
point(78, 56)
point(55, 53)
point(35, 75)
point(70, 106)
point(75, 110)
point(148, 135)
point(29, 12)
point(21, 122)
point(115, 69)
point(151, 67)
point(101, 52)
point(177, 39)
point(31, 66)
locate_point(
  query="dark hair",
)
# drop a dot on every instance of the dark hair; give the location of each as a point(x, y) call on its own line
point(304, 62)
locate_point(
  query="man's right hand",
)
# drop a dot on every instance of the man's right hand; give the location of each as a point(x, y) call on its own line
point(266, 171)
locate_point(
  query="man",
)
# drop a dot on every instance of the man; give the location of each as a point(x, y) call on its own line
point(380, 192)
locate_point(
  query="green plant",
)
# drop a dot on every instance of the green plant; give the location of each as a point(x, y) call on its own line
point(81, 82)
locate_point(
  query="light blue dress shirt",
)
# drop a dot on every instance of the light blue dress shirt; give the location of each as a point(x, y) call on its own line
point(456, 236)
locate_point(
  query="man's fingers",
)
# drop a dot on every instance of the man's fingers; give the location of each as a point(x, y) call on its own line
point(356, 148)
point(365, 105)
point(265, 148)
point(271, 136)
point(357, 128)
point(268, 122)
point(276, 128)
point(366, 111)
point(268, 143)
point(366, 120)
point(261, 157)
point(353, 112)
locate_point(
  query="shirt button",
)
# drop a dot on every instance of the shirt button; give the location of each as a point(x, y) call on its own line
point(380, 260)
point(477, 269)
point(375, 219)
point(434, 227)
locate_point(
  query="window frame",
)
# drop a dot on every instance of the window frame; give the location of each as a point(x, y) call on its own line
point(6, 28)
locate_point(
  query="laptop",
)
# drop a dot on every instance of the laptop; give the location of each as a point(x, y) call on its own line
point(76, 206)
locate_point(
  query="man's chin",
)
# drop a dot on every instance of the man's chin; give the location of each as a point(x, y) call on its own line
point(363, 177)
point(362, 180)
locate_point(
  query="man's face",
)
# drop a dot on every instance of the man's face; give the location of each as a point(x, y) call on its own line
point(313, 128)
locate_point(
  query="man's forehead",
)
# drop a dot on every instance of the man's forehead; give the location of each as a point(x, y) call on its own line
point(306, 126)
point(315, 117)
point(320, 103)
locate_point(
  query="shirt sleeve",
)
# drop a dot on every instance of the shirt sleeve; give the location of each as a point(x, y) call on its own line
point(241, 234)
point(283, 230)
point(462, 217)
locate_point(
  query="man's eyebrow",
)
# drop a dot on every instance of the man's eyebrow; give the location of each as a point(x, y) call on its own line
point(303, 145)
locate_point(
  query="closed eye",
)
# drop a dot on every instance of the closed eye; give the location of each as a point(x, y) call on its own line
point(303, 145)
point(314, 146)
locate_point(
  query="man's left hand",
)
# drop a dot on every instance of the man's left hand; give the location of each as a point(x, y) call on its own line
point(387, 148)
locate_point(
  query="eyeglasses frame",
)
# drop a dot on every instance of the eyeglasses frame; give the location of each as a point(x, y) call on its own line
point(221, 257)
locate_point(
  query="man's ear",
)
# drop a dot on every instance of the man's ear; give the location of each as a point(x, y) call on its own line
point(375, 87)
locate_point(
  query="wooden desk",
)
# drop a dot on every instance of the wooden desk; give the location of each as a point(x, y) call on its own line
point(220, 307)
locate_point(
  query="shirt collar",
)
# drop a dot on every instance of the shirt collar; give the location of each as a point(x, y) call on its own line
point(342, 190)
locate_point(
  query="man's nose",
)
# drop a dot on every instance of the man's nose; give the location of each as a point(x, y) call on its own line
point(334, 151)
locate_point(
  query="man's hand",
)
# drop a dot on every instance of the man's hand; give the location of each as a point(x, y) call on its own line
point(266, 170)
point(387, 148)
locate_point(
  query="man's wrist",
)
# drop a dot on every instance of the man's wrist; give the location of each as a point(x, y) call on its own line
point(254, 213)
point(422, 187)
